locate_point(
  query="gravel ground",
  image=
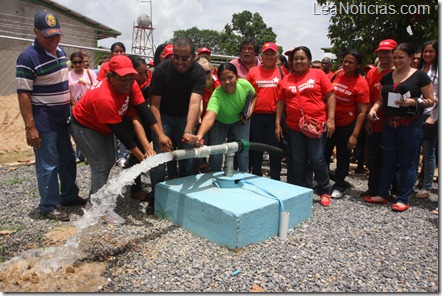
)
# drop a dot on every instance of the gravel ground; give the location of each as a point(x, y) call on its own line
point(350, 246)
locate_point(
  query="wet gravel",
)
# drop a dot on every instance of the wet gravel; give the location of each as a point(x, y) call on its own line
point(350, 246)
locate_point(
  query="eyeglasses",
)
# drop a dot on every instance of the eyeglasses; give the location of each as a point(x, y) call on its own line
point(184, 59)
point(77, 62)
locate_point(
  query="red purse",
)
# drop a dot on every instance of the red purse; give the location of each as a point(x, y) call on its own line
point(310, 126)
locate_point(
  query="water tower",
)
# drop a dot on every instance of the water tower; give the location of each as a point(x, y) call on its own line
point(142, 35)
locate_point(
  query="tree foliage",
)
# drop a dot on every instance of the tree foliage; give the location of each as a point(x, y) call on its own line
point(227, 42)
point(245, 24)
point(201, 38)
point(363, 31)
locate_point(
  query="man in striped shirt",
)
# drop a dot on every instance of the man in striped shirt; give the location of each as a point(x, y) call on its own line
point(43, 95)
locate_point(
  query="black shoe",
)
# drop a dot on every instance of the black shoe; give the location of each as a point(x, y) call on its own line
point(346, 185)
point(55, 214)
point(78, 201)
point(367, 193)
point(151, 203)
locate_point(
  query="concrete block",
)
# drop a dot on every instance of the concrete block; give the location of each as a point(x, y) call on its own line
point(231, 217)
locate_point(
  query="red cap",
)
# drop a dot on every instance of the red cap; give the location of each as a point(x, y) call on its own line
point(287, 53)
point(168, 50)
point(121, 65)
point(271, 46)
point(387, 44)
point(204, 49)
point(368, 67)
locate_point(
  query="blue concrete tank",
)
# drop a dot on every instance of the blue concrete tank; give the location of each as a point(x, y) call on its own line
point(234, 216)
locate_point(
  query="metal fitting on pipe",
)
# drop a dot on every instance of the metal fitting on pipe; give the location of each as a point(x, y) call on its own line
point(229, 168)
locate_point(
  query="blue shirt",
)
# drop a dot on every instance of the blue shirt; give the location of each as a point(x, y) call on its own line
point(45, 77)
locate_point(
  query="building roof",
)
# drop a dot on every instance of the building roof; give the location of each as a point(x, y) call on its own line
point(102, 31)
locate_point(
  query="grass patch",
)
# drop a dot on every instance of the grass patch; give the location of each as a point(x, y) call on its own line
point(15, 227)
point(34, 192)
point(16, 156)
point(13, 181)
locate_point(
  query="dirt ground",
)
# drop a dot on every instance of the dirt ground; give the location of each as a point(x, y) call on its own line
point(12, 131)
point(13, 147)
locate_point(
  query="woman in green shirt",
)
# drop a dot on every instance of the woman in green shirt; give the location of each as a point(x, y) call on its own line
point(227, 113)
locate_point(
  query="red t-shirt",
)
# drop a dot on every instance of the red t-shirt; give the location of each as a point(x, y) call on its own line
point(373, 78)
point(306, 90)
point(146, 82)
point(265, 83)
point(101, 106)
point(330, 74)
point(103, 71)
point(349, 92)
point(208, 93)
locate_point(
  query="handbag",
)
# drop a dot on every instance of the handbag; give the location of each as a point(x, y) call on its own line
point(310, 126)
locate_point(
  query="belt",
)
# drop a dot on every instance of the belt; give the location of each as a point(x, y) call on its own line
point(396, 121)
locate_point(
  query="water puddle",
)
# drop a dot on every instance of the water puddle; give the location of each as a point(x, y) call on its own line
point(58, 268)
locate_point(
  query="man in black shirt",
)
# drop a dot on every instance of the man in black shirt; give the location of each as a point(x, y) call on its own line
point(176, 91)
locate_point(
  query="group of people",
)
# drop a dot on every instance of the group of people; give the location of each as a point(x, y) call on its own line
point(185, 102)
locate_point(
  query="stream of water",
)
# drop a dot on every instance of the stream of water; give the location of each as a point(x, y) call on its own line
point(32, 265)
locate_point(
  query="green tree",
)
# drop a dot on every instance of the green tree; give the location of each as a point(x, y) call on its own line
point(363, 31)
point(245, 24)
point(201, 38)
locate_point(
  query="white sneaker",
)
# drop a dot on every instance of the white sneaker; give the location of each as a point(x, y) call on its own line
point(336, 194)
point(423, 193)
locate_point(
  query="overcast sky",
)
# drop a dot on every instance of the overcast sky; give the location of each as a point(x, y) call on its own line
point(294, 22)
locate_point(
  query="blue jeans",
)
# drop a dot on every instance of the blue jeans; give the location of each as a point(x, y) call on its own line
point(308, 154)
point(262, 130)
point(173, 127)
point(121, 150)
point(99, 151)
point(429, 141)
point(53, 161)
point(78, 154)
point(399, 148)
point(218, 134)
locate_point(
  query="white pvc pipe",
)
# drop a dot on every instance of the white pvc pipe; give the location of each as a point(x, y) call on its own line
point(284, 225)
point(205, 151)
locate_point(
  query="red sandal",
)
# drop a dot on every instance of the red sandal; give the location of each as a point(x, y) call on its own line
point(399, 207)
point(370, 199)
point(325, 200)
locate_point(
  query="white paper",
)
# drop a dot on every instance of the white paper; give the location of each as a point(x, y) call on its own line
point(406, 96)
point(393, 98)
